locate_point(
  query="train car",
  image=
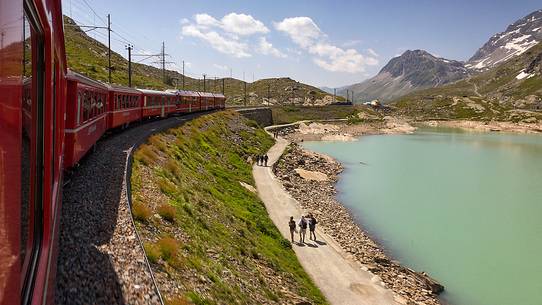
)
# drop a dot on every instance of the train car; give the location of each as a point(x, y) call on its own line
point(86, 116)
point(220, 100)
point(124, 106)
point(189, 101)
point(33, 92)
point(207, 100)
point(157, 103)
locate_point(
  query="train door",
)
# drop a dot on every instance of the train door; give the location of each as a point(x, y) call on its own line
point(164, 102)
point(32, 152)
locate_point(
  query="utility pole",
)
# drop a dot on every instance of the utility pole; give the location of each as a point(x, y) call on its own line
point(245, 90)
point(129, 48)
point(204, 82)
point(164, 61)
point(347, 95)
point(108, 42)
point(223, 91)
point(183, 75)
point(214, 85)
point(268, 93)
point(334, 94)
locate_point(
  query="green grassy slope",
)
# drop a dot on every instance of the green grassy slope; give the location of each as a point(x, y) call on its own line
point(497, 90)
point(88, 56)
point(213, 241)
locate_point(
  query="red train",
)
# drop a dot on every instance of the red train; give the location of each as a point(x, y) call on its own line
point(49, 119)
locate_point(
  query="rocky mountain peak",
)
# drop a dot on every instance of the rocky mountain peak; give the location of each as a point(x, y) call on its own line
point(515, 40)
point(421, 68)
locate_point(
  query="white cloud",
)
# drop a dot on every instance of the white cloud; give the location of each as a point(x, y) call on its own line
point(206, 20)
point(224, 35)
point(302, 30)
point(336, 59)
point(228, 46)
point(242, 24)
point(305, 33)
point(266, 48)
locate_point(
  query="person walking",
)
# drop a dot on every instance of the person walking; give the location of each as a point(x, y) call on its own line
point(302, 229)
point(259, 159)
point(265, 158)
point(312, 227)
point(291, 223)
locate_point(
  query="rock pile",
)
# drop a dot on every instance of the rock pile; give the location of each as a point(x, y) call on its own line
point(318, 197)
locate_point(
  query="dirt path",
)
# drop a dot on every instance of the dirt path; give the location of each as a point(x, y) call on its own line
point(341, 279)
point(475, 87)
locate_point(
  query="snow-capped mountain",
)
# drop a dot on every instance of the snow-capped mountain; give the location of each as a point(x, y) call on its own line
point(412, 70)
point(518, 38)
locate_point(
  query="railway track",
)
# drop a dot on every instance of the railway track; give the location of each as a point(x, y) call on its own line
point(100, 258)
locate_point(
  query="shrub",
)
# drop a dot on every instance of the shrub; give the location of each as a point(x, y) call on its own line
point(166, 187)
point(167, 212)
point(146, 154)
point(141, 212)
point(177, 300)
point(152, 252)
point(168, 247)
point(157, 142)
point(173, 168)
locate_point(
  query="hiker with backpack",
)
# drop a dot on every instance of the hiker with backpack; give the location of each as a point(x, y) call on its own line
point(312, 227)
point(291, 223)
point(302, 229)
point(265, 158)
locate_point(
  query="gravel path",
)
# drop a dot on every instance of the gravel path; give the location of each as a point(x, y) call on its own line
point(340, 278)
point(100, 259)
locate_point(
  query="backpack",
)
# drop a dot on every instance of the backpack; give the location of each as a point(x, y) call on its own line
point(304, 224)
point(292, 224)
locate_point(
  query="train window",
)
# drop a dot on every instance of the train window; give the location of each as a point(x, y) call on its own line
point(117, 102)
point(79, 100)
point(32, 148)
point(100, 104)
point(86, 105)
point(93, 105)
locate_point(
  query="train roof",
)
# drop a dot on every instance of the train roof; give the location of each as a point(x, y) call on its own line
point(123, 89)
point(187, 93)
point(219, 95)
point(205, 94)
point(74, 76)
point(155, 92)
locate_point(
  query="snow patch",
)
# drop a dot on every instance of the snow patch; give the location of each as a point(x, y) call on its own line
point(520, 44)
point(481, 64)
point(523, 75)
point(534, 30)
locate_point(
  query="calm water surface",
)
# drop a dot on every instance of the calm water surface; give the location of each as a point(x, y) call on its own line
point(465, 207)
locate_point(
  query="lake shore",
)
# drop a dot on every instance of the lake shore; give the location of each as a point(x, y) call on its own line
point(310, 178)
point(491, 126)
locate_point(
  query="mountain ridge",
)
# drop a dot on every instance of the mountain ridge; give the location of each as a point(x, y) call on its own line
point(517, 38)
point(412, 70)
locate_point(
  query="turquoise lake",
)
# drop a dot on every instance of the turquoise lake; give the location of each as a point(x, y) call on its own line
point(464, 207)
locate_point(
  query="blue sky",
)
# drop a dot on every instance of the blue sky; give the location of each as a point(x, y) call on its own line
point(323, 43)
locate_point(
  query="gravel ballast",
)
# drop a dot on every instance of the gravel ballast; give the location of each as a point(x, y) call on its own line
point(100, 258)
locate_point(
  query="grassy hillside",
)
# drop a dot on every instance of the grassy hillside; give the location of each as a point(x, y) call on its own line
point(89, 57)
point(494, 94)
point(208, 237)
point(289, 114)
